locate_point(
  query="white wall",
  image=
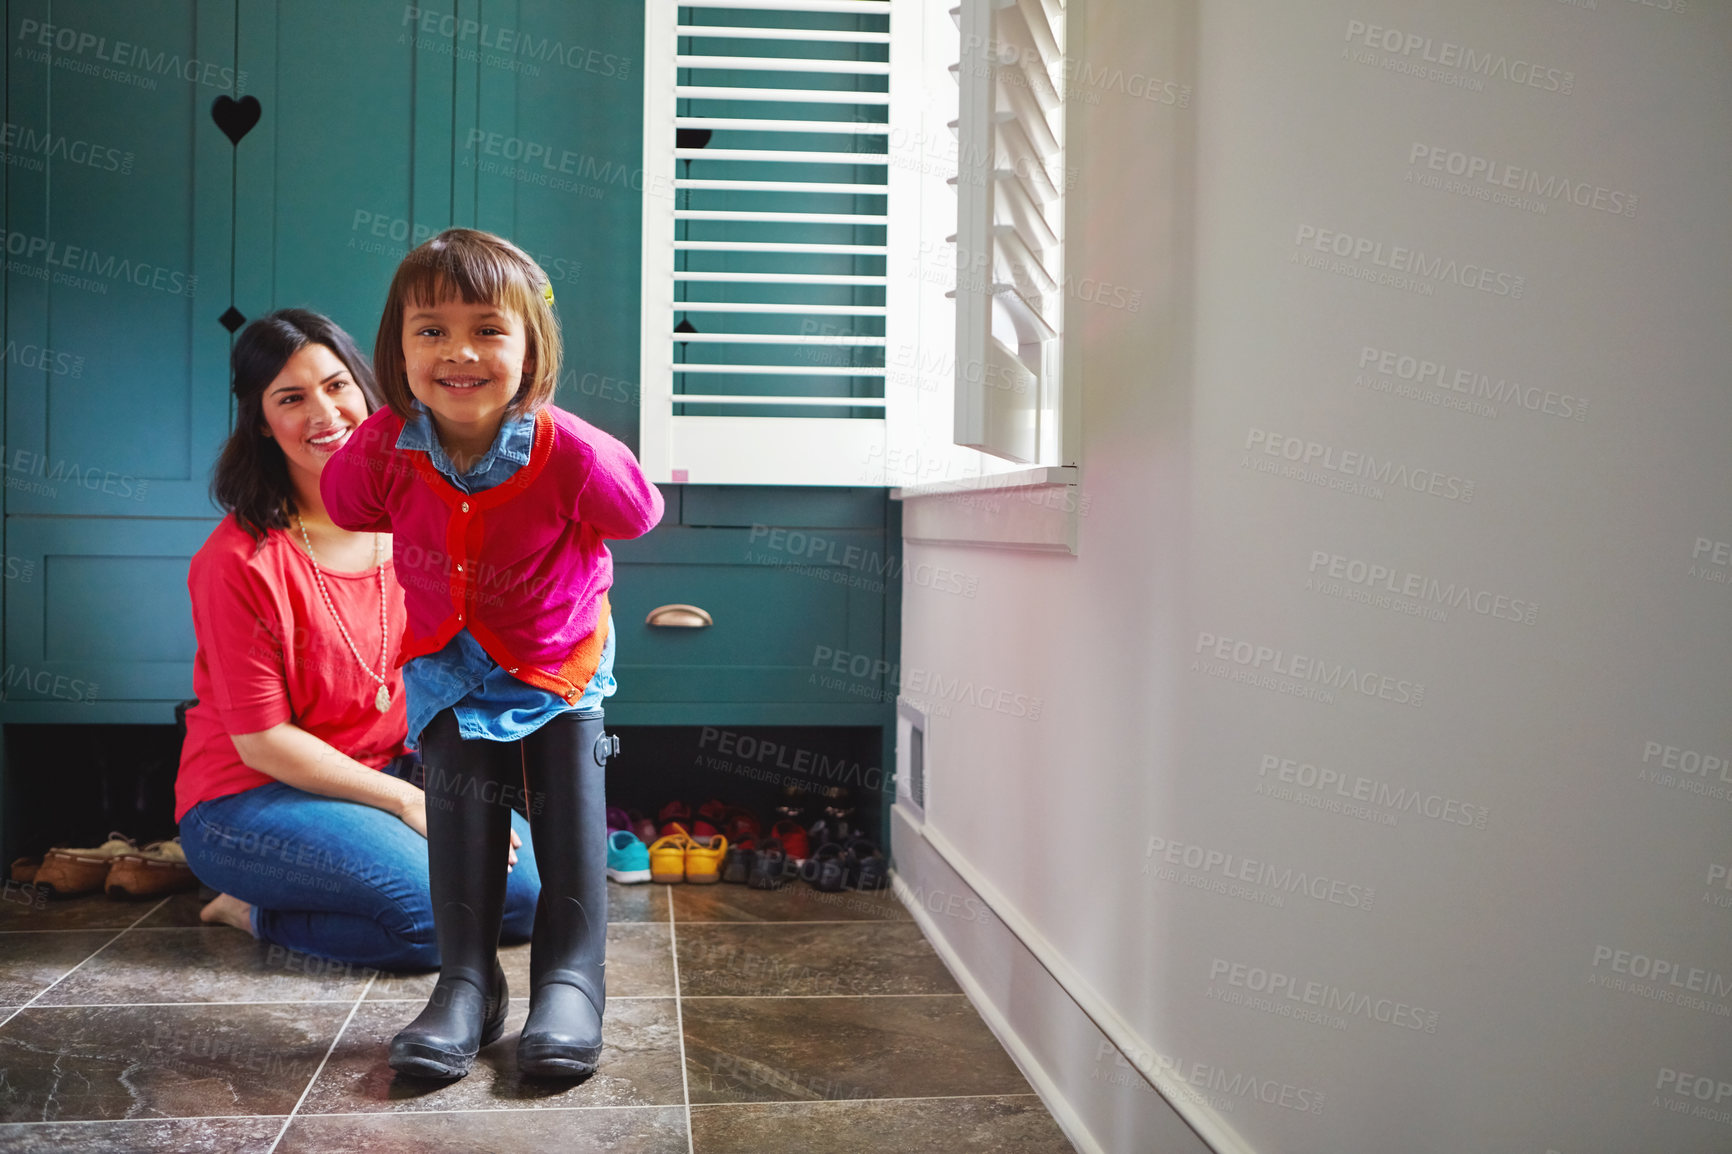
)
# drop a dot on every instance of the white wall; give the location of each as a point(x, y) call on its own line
point(1135, 835)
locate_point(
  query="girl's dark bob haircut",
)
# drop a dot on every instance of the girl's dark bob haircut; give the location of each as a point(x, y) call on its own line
point(477, 268)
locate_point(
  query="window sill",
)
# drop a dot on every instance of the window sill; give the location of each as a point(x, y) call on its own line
point(1033, 509)
point(1036, 476)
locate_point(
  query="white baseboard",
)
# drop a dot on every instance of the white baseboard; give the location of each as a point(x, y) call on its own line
point(1205, 1126)
point(1056, 1103)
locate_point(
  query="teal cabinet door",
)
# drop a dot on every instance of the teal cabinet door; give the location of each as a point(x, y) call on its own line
point(327, 184)
point(98, 625)
point(117, 199)
point(137, 220)
point(550, 153)
point(117, 232)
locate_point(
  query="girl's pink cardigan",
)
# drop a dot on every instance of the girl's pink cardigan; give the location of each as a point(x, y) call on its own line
point(521, 565)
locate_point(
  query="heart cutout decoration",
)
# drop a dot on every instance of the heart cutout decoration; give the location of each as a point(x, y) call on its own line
point(235, 117)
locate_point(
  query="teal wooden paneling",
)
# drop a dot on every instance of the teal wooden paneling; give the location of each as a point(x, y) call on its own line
point(482, 158)
point(441, 88)
point(624, 712)
point(748, 505)
point(105, 605)
point(90, 713)
point(328, 193)
point(558, 168)
point(254, 182)
point(671, 544)
point(90, 615)
point(118, 254)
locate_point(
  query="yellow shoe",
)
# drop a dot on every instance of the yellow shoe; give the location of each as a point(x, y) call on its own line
point(668, 857)
point(704, 859)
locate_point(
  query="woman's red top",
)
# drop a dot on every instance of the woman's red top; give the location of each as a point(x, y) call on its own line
point(269, 651)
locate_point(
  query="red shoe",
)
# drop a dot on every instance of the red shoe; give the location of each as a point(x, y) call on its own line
point(741, 825)
point(793, 839)
point(642, 826)
point(672, 814)
point(709, 819)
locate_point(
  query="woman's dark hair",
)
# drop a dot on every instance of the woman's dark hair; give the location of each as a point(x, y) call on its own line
point(252, 477)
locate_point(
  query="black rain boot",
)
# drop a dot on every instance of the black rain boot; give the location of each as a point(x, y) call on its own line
point(468, 830)
point(565, 769)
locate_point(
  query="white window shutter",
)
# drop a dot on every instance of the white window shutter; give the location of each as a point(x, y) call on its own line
point(1010, 222)
point(765, 211)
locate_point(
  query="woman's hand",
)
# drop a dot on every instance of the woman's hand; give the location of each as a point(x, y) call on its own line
point(414, 815)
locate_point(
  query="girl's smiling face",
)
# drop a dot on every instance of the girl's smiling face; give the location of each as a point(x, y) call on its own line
point(465, 362)
point(311, 408)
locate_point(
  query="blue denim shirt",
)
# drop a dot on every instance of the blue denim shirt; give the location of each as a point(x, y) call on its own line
point(488, 702)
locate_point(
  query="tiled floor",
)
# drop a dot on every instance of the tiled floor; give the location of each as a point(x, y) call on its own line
point(737, 1020)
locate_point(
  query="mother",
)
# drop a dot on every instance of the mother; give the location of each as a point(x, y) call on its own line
point(293, 795)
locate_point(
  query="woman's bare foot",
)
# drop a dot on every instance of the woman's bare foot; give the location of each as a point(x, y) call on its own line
point(230, 911)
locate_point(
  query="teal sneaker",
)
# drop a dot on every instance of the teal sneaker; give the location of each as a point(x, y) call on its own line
point(627, 858)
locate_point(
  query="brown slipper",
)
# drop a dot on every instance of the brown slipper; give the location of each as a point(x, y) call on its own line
point(66, 872)
point(158, 868)
point(24, 869)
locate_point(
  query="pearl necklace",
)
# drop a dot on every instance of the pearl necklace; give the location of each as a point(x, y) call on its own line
point(381, 699)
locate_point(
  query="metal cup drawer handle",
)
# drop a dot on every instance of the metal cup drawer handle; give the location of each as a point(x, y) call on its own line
point(679, 617)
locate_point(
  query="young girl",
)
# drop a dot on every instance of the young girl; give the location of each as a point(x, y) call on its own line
point(499, 503)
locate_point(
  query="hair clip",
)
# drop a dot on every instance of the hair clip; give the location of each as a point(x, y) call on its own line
point(547, 293)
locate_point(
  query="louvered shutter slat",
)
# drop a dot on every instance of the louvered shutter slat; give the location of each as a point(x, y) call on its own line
point(797, 402)
point(785, 64)
point(839, 7)
point(1010, 207)
point(771, 339)
point(715, 32)
point(781, 156)
point(781, 217)
point(833, 127)
point(780, 95)
point(774, 246)
point(764, 271)
point(782, 371)
point(784, 186)
point(780, 309)
point(1017, 208)
point(1040, 28)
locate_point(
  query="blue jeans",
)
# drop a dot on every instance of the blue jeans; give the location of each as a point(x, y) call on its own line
point(335, 878)
point(487, 701)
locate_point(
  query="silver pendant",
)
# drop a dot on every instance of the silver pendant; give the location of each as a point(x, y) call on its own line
point(382, 700)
